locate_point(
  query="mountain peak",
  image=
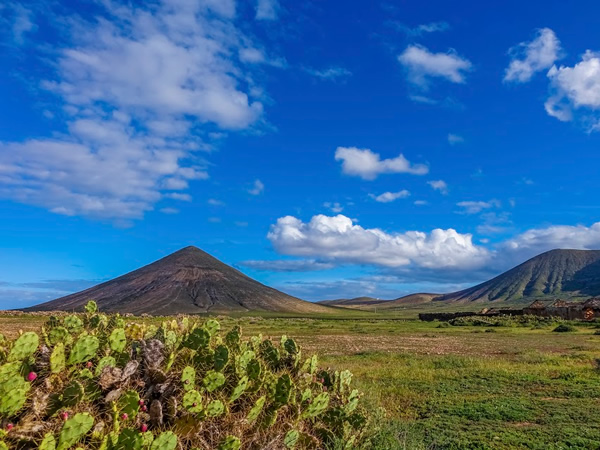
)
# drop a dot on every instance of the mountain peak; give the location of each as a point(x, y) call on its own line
point(187, 281)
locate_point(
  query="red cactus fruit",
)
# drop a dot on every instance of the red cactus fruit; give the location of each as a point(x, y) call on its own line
point(31, 376)
point(124, 416)
point(9, 427)
point(89, 364)
point(141, 402)
point(64, 415)
point(144, 408)
point(143, 428)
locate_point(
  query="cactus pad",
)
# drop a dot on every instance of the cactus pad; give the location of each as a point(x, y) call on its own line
point(188, 378)
point(165, 441)
point(317, 406)
point(291, 438)
point(192, 401)
point(57, 358)
point(290, 346)
point(48, 443)
point(107, 361)
point(72, 394)
point(117, 340)
point(91, 307)
point(12, 401)
point(24, 346)
point(74, 429)
point(129, 403)
point(256, 409)
point(130, 440)
point(239, 389)
point(197, 339)
point(221, 357)
point(230, 443)
point(270, 354)
point(213, 380)
point(234, 336)
point(212, 326)
point(283, 390)
point(59, 335)
point(73, 323)
point(215, 408)
point(83, 350)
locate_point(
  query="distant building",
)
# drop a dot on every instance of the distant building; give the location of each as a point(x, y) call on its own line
point(588, 310)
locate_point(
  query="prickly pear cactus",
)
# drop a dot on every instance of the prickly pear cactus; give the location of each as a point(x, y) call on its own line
point(74, 429)
point(101, 383)
point(239, 389)
point(215, 408)
point(230, 443)
point(83, 350)
point(117, 340)
point(57, 358)
point(72, 394)
point(24, 346)
point(188, 378)
point(291, 438)
point(165, 441)
point(317, 406)
point(213, 380)
point(192, 401)
point(91, 307)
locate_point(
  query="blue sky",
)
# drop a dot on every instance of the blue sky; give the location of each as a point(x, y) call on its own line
point(330, 149)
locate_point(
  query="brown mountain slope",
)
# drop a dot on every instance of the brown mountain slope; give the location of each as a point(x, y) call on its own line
point(358, 302)
point(557, 273)
point(187, 281)
point(412, 299)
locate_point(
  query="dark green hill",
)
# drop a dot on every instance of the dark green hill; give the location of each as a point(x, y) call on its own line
point(554, 274)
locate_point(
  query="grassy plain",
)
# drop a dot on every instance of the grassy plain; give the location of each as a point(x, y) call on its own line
point(451, 387)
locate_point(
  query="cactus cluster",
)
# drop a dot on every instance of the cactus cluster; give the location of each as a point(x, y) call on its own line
point(94, 381)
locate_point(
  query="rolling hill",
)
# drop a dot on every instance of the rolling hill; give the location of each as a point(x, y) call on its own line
point(554, 274)
point(357, 303)
point(188, 281)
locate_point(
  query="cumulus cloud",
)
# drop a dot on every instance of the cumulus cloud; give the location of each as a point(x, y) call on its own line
point(422, 65)
point(533, 56)
point(257, 188)
point(439, 185)
point(142, 88)
point(215, 202)
point(267, 9)
point(368, 165)
point(286, 265)
point(472, 207)
point(338, 239)
point(575, 88)
point(388, 197)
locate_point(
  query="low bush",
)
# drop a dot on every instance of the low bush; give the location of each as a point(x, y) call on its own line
point(564, 328)
point(94, 381)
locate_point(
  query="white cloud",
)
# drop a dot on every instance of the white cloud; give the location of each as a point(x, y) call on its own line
point(575, 88)
point(130, 139)
point(471, 207)
point(421, 65)
point(331, 74)
point(534, 56)
point(368, 165)
point(267, 9)
point(454, 139)
point(257, 188)
point(439, 185)
point(286, 265)
point(334, 207)
point(169, 210)
point(215, 202)
point(337, 239)
point(421, 202)
point(388, 197)
point(19, 20)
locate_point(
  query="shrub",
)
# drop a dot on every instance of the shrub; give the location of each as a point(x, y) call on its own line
point(98, 382)
point(564, 328)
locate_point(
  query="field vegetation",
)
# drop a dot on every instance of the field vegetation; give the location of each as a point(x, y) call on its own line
point(502, 384)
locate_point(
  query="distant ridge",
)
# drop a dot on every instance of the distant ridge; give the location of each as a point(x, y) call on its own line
point(357, 302)
point(554, 274)
point(188, 281)
point(370, 303)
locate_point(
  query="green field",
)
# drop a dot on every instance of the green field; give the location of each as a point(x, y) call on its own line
point(451, 387)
